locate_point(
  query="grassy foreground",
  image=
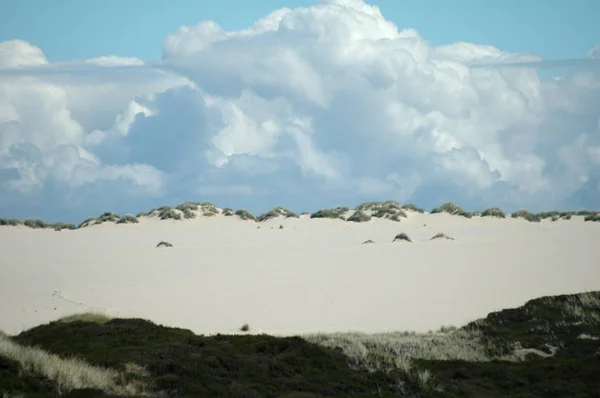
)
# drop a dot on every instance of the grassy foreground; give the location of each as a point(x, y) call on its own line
point(549, 347)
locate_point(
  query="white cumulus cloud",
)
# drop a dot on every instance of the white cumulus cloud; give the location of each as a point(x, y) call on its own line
point(306, 107)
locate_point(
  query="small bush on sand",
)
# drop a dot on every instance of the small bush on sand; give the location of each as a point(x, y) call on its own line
point(411, 207)
point(35, 223)
point(276, 212)
point(13, 222)
point(359, 216)
point(334, 213)
point(547, 214)
point(228, 212)
point(87, 222)
point(592, 217)
point(448, 207)
point(526, 215)
point(187, 209)
point(59, 226)
point(168, 213)
point(402, 236)
point(192, 206)
point(245, 328)
point(128, 219)
point(441, 236)
point(367, 242)
point(108, 217)
point(389, 210)
point(584, 213)
point(208, 209)
point(493, 212)
point(94, 317)
point(245, 215)
point(163, 243)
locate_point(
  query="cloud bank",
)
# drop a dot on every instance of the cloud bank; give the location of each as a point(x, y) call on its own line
point(307, 108)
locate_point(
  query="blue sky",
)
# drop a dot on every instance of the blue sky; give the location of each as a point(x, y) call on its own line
point(74, 29)
point(128, 105)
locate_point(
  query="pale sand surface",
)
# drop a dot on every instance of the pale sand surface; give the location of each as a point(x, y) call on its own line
point(311, 276)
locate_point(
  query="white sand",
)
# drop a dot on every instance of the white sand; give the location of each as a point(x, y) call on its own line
point(313, 275)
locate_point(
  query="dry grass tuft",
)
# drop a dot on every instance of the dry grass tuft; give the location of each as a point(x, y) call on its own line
point(69, 374)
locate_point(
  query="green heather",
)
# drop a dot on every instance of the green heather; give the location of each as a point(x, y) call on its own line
point(548, 347)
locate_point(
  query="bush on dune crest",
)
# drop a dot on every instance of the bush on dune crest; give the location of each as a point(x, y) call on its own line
point(13, 222)
point(493, 212)
point(245, 215)
point(333, 213)
point(389, 210)
point(402, 236)
point(526, 215)
point(276, 212)
point(359, 216)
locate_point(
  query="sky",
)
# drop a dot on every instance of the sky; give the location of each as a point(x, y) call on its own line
point(125, 106)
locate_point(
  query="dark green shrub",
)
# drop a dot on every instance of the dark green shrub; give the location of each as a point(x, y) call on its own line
point(359, 216)
point(595, 217)
point(448, 207)
point(277, 212)
point(34, 223)
point(493, 212)
point(167, 213)
point(59, 226)
point(13, 222)
point(228, 212)
point(245, 215)
point(526, 215)
point(412, 207)
point(128, 219)
point(334, 213)
point(402, 236)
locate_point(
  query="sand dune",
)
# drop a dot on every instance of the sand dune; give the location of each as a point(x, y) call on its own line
point(313, 275)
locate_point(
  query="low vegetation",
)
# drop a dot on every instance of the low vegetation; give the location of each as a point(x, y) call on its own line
point(493, 212)
point(389, 210)
point(334, 213)
point(546, 348)
point(359, 216)
point(245, 215)
point(526, 215)
point(208, 209)
point(275, 213)
point(128, 219)
point(402, 236)
point(163, 243)
point(94, 317)
point(13, 222)
point(592, 217)
point(441, 235)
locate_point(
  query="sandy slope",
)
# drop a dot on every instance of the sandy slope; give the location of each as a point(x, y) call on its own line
point(313, 275)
